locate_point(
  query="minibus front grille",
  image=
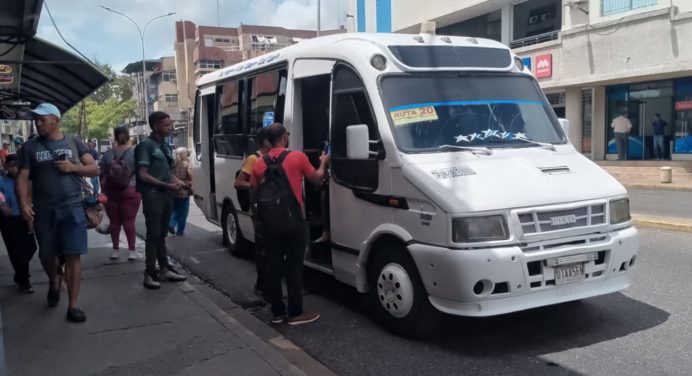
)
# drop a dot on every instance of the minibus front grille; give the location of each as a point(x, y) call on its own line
point(539, 221)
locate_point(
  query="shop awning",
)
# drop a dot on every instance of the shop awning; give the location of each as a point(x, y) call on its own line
point(33, 70)
point(48, 73)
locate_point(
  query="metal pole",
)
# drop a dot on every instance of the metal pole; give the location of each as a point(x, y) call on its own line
point(141, 38)
point(218, 14)
point(318, 17)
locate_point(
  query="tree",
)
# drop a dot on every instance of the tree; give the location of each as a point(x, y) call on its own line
point(103, 117)
point(109, 106)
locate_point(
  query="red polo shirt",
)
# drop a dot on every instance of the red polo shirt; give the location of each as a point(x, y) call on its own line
point(296, 165)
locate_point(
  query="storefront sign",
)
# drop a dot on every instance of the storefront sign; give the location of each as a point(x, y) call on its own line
point(683, 106)
point(527, 62)
point(544, 66)
point(6, 75)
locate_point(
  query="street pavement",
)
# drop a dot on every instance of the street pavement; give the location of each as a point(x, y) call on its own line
point(182, 329)
point(641, 331)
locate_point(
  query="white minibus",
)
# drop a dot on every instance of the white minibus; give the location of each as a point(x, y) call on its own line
point(453, 185)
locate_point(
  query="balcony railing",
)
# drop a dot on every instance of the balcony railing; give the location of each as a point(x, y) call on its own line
point(535, 39)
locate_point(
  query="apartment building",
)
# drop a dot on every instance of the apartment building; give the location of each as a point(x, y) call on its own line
point(593, 58)
point(203, 49)
point(161, 95)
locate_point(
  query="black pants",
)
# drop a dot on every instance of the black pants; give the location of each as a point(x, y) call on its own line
point(284, 258)
point(156, 206)
point(260, 256)
point(20, 244)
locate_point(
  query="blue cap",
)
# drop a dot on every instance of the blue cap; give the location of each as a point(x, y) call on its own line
point(44, 109)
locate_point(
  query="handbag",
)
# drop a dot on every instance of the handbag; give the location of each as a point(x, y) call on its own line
point(93, 208)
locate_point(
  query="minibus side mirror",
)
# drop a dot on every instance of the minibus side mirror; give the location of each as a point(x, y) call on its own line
point(357, 142)
point(564, 123)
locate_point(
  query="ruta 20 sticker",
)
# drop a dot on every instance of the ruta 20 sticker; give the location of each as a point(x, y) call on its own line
point(413, 115)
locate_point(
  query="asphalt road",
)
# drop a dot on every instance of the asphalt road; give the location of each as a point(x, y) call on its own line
point(661, 203)
point(644, 330)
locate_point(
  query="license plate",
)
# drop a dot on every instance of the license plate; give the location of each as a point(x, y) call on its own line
point(569, 273)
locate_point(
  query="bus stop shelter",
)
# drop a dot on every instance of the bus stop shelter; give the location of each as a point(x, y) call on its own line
point(33, 70)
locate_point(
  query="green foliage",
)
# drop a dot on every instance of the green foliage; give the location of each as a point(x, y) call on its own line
point(109, 106)
point(103, 117)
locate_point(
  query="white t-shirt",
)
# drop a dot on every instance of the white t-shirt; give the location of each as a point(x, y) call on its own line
point(621, 124)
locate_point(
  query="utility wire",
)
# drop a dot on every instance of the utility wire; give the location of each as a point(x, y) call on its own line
point(63, 38)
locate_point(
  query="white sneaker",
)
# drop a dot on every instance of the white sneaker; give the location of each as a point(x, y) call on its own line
point(134, 255)
point(115, 255)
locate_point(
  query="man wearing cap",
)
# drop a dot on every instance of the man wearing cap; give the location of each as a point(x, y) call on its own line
point(55, 164)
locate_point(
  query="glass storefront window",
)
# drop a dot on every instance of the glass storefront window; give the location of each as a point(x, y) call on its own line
point(683, 112)
point(485, 26)
point(640, 103)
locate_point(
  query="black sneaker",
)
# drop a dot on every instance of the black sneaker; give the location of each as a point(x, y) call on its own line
point(151, 281)
point(25, 288)
point(53, 297)
point(76, 315)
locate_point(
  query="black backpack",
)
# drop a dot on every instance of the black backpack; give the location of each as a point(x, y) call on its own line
point(277, 207)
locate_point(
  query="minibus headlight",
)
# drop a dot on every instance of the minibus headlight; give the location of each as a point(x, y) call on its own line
point(619, 211)
point(479, 229)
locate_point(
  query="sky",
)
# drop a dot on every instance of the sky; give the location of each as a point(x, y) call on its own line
point(111, 38)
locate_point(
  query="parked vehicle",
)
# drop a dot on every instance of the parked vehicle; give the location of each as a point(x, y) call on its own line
point(453, 186)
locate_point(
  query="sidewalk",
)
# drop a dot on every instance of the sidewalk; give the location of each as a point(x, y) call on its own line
point(176, 330)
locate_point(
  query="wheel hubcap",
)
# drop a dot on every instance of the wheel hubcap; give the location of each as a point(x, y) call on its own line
point(395, 290)
point(231, 228)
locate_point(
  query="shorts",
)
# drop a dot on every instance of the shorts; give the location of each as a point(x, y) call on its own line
point(61, 231)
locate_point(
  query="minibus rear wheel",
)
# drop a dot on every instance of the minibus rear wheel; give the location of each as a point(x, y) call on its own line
point(232, 236)
point(397, 294)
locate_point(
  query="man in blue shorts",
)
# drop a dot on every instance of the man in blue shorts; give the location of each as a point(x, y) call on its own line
point(56, 163)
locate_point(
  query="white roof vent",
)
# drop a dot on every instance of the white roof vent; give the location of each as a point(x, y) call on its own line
point(428, 27)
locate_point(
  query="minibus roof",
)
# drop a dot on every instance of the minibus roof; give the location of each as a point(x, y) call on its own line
point(408, 52)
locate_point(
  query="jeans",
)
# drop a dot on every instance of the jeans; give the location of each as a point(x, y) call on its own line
point(621, 140)
point(121, 208)
point(20, 244)
point(95, 184)
point(659, 148)
point(181, 208)
point(157, 206)
point(284, 258)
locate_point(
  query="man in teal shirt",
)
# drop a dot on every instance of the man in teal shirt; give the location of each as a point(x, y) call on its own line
point(156, 182)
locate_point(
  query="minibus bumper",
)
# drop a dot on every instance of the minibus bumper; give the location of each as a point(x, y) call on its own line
point(494, 281)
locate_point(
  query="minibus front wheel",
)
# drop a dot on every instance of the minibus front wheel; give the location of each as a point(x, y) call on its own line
point(232, 237)
point(397, 294)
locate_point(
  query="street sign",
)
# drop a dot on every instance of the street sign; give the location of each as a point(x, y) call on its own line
point(544, 66)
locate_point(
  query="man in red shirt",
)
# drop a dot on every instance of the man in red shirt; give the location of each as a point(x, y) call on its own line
point(285, 254)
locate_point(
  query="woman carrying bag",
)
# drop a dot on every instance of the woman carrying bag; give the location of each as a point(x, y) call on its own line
point(118, 183)
point(181, 200)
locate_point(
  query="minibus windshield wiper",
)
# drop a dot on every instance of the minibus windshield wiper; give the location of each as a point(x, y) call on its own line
point(544, 145)
point(474, 150)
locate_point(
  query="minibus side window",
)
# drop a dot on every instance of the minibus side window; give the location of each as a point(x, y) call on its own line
point(196, 130)
point(351, 106)
point(228, 132)
point(266, 103)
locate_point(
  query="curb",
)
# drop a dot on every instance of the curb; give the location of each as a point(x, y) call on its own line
point(665, 187)
point(663, 224)
point(263, 350)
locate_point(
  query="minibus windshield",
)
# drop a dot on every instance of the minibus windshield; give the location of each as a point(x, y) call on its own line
point(430, 111)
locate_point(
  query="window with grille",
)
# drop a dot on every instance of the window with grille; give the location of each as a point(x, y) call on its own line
point(586, 112)
point(210, 64)
point(609, 7)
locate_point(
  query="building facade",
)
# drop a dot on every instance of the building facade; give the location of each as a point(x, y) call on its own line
point(161, 94)
point(594, 59)
point(203, 49)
